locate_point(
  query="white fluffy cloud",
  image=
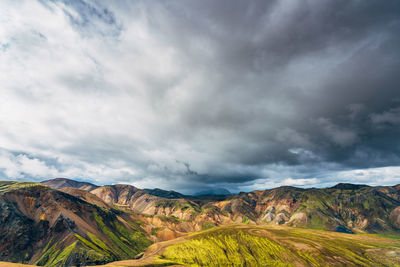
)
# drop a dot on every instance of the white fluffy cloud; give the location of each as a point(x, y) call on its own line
point(19, 166)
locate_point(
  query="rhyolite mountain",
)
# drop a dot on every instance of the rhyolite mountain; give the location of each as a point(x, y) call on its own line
point(43, 226)
point(62, 222)
point(64, 182)
point(344, 207)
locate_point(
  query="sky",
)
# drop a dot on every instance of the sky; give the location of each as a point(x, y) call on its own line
point(190, 95)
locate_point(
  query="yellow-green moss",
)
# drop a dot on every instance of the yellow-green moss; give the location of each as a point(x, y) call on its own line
point(155, 230)
point(275, 246)
point(47, 253)
point(128, 242)
point(61, 256)
point(7, 186)
point(229, 249)
point(208, 225)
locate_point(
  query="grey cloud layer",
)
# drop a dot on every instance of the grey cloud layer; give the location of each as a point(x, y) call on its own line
point(182, 93)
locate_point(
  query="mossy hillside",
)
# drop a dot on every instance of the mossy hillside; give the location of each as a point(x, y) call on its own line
point(164, 194)
point(82, 251)
point(54, 256)
point(324, 208)
point(99, 243)
point(230, 248)
point(177, 204)
point(210, 210)
point(65, 240)
point(208, 225)
point(126, 242)
point(155, 230)
point(97, 248)
point(8, 186)
point(47, 253)
point(122, 243)
point(77, 254)
point(60, 257)
point(368, 201)
point(169, 219)
point(245, 220)
point(281, 246)
point(349, 249)
point(395, 236)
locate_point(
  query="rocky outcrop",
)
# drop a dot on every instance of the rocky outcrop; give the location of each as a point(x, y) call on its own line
point(395, 217)
point(39, 225)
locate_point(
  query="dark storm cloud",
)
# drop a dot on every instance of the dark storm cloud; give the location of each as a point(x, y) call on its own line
point(239, 94)
point(262, 41)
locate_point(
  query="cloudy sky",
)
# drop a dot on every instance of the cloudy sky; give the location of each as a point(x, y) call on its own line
point(187, 95)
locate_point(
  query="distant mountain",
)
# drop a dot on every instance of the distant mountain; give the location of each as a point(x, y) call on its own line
point(213, 191)
point(163, 193)
point(64, 182)
point(346, 186)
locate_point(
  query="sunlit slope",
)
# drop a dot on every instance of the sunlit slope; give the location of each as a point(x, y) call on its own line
point(274, 246)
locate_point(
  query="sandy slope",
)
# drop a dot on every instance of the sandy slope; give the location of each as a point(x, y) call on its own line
point(9, 264)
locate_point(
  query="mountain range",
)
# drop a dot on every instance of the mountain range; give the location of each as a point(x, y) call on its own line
point(62, 222)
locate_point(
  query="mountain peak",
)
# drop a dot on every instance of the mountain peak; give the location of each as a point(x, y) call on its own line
point(164, 193)
point(213, 191)
point(65, 182)
point(348, 186)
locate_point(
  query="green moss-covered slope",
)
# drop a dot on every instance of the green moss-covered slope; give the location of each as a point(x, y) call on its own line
point(282, 246)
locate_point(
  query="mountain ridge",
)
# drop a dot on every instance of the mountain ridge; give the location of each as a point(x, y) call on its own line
point(343, 207)
point(38, 222)
point(65, 182)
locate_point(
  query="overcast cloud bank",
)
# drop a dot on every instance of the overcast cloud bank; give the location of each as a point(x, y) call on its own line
point(182, 94)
